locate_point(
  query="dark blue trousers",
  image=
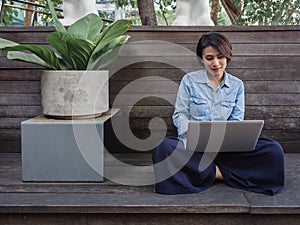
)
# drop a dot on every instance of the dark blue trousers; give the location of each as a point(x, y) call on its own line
point(177, 170)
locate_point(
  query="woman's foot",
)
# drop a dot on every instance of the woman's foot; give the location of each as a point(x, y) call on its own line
point(219, 174)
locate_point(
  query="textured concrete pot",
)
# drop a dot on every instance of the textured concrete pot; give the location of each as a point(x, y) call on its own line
point(74, 94)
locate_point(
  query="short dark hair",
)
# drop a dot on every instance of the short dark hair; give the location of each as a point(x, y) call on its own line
point(217, 41)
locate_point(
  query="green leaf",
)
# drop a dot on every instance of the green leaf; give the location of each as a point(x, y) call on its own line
point(42, 52)
point(104, 59)
point(100, 52)
point(80, 52)
point(114, 30)
point(58, 40)
point(58, 25)
point(26, 57)
point(6, 43)
point(87, 27)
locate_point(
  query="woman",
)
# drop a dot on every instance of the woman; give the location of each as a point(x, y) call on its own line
point(214, 94)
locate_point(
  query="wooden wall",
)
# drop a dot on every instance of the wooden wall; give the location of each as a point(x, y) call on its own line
point(147, 73)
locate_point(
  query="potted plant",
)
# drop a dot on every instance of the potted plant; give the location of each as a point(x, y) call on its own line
point(74, 86)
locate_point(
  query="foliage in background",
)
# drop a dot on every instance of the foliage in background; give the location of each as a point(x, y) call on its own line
point(46, 18)
point(272, 12)
point(166, 12)
point(229, 12)
point(7, 14)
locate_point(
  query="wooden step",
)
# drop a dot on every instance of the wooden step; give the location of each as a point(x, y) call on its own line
point(111, 203)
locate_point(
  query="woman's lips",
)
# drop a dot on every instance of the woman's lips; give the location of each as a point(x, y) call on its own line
point(216, 70)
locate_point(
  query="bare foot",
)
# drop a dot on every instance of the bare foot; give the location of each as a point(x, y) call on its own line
point(219, 174)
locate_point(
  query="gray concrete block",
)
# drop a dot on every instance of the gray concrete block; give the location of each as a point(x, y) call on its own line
point(63, 150)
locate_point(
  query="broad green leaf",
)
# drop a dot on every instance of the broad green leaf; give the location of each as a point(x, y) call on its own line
point(80, 52)
point(87, 27)
point(7, 43)
point(114, 30)
point(104, 59)
point(42, 52)
point(103, 47)
point(58, 40)
point(101, 51)
point(58, 25)
point(26, 57)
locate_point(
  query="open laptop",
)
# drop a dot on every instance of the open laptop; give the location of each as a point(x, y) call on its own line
point(223, 136)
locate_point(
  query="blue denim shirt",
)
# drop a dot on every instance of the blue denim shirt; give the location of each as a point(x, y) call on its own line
point(196, 100)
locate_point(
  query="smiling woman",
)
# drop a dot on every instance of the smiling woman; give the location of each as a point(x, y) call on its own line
point(206, 95)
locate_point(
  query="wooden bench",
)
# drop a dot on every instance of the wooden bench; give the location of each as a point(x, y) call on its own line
point(267, 59)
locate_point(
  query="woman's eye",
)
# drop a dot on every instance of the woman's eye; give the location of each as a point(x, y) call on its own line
point(221, 56)
point(209, 58)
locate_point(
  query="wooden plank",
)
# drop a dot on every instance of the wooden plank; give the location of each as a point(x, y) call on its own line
point(145, 86)
point(20, 75)
point(273, 99)
point(261, 74)
point(180, 34)
point(160, 85)
point(10, 146)
point(149, 111)
point(10, 134)
point(25, 36)
point(234, 36)
point(167, 99)
point(20, 87)
point(282, 135)
point(183, 62)
point(291, 147)
point(20, 99)
point(263, 112)
point(270, 123)
point(251, 112)
point(142, 99)
point(154, 47)
point(276, 134)
point(11, 123)
point(20, 111)
point(176, 74)
point(271, 87)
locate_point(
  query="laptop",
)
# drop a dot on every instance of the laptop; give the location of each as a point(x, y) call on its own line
point(223, 136)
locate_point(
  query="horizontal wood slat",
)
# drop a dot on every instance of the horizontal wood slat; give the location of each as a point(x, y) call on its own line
point(252, 112)
point(166, 48)
point(160, 85)
point(146, 75)
point(166, 99)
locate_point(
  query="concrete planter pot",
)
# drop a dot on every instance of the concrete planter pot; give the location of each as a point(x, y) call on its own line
point(74, 94)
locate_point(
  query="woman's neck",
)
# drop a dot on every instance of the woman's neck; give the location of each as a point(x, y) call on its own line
point(215, 80)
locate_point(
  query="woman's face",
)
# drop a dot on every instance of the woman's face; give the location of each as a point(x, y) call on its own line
point(215, 62)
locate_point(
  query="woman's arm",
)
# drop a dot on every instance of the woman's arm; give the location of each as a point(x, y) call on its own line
point(182, 105)
point(239, 108)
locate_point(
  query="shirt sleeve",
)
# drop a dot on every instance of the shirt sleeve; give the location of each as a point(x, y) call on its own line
point(182, 105)
point(239, 108)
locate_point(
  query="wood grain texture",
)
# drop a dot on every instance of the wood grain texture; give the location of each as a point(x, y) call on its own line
point(267, 59)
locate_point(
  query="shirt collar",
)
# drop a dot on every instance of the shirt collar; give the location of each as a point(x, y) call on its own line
point(226, 80)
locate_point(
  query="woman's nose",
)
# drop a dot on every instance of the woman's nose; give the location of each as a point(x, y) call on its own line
point(216, 63)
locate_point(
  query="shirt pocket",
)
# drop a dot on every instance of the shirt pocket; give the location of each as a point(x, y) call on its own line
point(228, 107)
point(198, 107)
